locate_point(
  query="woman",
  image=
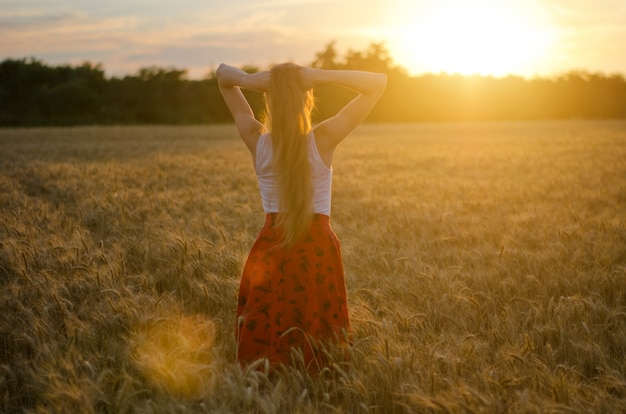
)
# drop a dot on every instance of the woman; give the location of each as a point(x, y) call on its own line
point(292, 292)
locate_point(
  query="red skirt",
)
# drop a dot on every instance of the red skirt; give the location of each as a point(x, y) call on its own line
point(291, 298)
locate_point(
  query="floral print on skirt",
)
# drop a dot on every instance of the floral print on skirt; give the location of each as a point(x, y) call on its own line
point(291, 298)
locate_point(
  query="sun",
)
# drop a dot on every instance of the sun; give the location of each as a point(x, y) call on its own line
point(472, 37)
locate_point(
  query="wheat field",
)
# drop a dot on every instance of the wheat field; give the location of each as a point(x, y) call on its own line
point(485, 266)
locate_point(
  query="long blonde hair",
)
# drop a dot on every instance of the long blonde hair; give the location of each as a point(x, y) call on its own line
point(288, 120)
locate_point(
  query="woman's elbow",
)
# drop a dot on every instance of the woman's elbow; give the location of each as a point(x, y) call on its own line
point(219, 73)
point(383, 79)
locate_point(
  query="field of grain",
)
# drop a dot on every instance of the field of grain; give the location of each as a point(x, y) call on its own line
point(485, 267)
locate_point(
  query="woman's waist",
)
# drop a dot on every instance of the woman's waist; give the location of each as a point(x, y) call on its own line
point(318, 219)
point(320, 204)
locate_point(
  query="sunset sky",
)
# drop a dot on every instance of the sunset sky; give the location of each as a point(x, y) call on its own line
point(492, 37)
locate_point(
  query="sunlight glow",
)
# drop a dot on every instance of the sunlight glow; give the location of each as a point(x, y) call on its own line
point(485, 37)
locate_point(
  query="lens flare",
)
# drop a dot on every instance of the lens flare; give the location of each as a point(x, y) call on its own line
point(175, 353)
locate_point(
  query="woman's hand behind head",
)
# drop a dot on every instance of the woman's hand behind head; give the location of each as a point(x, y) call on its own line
point(308, 77)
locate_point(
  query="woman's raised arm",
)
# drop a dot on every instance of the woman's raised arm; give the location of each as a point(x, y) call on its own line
point(230, 81)
point(368, 85)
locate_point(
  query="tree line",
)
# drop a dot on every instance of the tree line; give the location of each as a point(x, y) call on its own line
point(34, 93)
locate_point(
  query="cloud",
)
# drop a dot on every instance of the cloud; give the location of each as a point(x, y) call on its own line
point(258, 33)
point(25, 20)
point(579, 14)
point(196, 34)
point(591, 34)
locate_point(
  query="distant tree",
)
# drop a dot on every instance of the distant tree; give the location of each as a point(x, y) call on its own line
point(326, 59)
point(250, 68)
point(375, 58)
point(33, 93)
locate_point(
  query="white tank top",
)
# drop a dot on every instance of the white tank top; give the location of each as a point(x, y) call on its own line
point(321, 175)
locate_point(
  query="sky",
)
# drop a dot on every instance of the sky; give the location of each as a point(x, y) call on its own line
point(490, 37)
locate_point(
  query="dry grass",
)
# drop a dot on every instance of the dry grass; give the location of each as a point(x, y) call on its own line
point(485, 264)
